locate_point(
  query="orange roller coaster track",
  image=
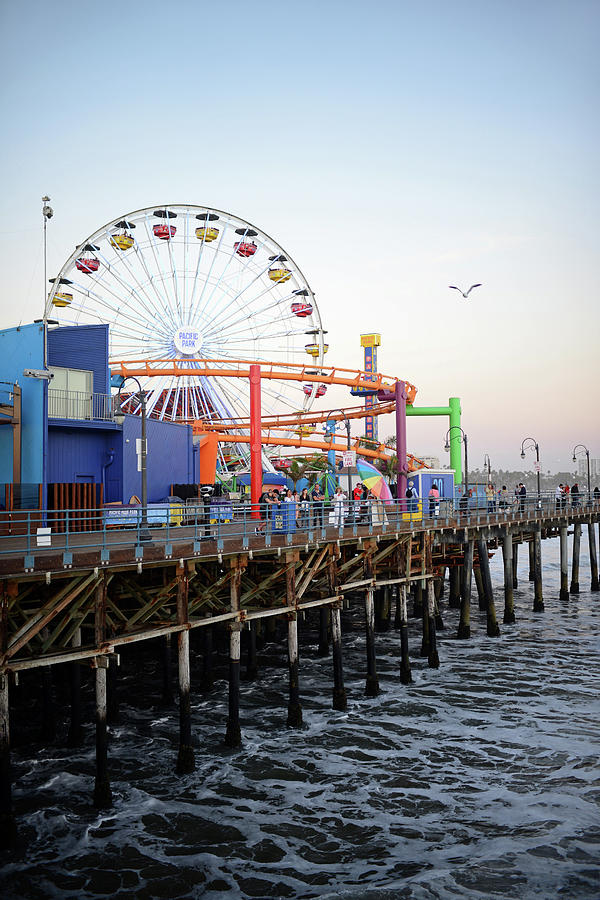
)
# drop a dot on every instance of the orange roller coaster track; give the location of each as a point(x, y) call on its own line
point(240, 368)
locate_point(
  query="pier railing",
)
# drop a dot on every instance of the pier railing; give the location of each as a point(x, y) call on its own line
point(226, 526)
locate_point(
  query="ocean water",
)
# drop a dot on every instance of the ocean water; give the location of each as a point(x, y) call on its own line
point(479, 780)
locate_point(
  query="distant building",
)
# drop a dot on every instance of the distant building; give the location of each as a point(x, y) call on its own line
point(582, 467)
point(432, 461)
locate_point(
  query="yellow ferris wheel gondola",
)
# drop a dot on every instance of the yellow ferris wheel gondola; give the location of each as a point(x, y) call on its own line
point(207, 234)
point(279, 273)
point(123, 240)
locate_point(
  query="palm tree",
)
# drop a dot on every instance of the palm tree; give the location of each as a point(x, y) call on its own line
point(297, 470)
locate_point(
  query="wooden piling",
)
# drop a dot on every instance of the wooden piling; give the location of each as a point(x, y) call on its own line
point(538, 599)
point(595, 586)
point(8, 826)
point(417, 599)
point(481, 597)
point(405, 671)
point(233, 735)
point(574, 589)
point(185, 757)
point(515, 563)
point(339, 692)
point(102, 791)
point(372, 681)
point(294, 716)
point(464, 625)
point(507, 559)
point(564, 564)
point(425, 644)
point(340, 701)
point(75, 735)
point(454, 595)
point(433, 660)
point(493, 629)
point(398, 608)
point(531, 560)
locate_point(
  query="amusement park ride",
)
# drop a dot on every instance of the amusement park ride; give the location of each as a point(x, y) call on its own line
point(198, 301)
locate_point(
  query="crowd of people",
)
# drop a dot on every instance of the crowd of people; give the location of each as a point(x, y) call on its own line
point(310, 506)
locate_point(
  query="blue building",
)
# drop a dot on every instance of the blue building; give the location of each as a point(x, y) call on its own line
point(68, 434)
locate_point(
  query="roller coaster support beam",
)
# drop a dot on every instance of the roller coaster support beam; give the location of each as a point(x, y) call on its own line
point(455, 439)
point(401, 460)
point(255, 442)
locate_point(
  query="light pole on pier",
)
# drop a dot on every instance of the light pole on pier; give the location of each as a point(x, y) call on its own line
point(531, 446)
point(465, 442)
point(348, 447)
point(587, 455)
point(119, 418)
point(487, 465)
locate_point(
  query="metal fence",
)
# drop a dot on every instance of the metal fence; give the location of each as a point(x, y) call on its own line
point(79, 405)
point(241, 526)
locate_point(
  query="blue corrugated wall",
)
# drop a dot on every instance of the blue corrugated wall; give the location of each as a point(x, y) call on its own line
point(75, 454)
point(23, 348)
point(81, 347)
point(170, 458)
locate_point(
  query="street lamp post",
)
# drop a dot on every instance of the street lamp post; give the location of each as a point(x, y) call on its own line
point(487, 465)
point(47, 213)
point(587, 455)
point(466, 443)
point(119, 419)
point(533, 445)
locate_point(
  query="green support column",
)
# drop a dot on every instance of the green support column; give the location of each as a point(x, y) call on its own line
point(455, 439)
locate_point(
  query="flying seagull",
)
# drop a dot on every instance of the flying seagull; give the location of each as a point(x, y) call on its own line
point(465, 294)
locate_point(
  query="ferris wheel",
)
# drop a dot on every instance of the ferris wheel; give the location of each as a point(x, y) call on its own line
point(185, 282)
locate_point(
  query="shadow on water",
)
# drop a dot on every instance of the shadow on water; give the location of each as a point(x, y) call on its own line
point(479, 780)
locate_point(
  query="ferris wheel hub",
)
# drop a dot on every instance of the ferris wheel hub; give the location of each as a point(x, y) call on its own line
point(188, 340)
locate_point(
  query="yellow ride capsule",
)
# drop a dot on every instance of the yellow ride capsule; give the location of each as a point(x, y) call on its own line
point(207, 234)
point(315, 349)
point(280, 275)
point(122, 241)
point(62, 299)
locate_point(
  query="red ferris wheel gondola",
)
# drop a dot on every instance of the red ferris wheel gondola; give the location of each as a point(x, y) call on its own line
point(89, 262)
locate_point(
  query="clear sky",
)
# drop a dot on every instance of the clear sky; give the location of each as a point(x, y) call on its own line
point(393, 148)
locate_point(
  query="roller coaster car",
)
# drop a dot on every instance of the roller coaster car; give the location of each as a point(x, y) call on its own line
point(305, 430)
point(282, 463)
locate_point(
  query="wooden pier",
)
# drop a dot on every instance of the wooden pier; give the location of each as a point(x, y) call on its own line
point(82, 604)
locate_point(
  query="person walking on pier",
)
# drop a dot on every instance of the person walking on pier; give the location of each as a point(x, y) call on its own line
point(522, 497)
point(558, 496)
point(318, 498)
point(503, 497)
point(304, 509)
point(338, 507)
point(575, 495)
point(434, 501)
point(566, 493)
